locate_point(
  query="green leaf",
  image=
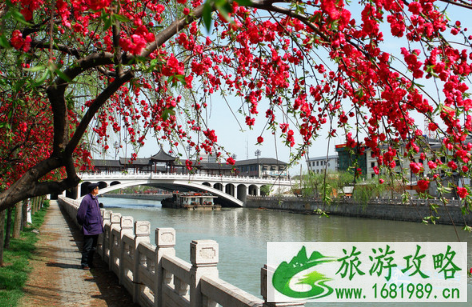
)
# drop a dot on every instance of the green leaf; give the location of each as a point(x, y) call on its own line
point(166, 113)
point(121, 18)
point(4, 42)
point(224, 10)
point(176, 78)
point(207, 15)
point(35, 68)
point(62, 75)
point(19, 17)
point(244, 2)
point(40, 81)
point(107, 24)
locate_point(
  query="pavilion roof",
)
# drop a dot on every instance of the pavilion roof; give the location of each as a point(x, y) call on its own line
point(162, 156)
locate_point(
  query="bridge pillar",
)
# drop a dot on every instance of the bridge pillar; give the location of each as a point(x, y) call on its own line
point(241, 192)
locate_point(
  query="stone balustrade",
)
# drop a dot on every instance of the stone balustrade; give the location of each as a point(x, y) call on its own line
point(192, 177)
point(154, 276)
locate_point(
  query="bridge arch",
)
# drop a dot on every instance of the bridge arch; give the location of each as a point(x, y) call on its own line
point(83, 188)
point(102, 185)
point(218, 186)
point(230, 189)
point(253, 190)
point(226, 199)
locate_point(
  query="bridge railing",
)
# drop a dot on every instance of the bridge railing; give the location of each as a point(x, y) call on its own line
point(154, 276)
point(202, 177)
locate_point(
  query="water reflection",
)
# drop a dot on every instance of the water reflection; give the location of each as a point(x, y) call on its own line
point(242, 235)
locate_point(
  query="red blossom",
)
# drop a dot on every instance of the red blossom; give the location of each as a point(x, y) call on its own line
point(423, 185)
point(462, 192)
point(18, 42)
point(416, 167)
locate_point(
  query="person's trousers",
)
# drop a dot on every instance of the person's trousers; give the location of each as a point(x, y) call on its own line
point(88, 250)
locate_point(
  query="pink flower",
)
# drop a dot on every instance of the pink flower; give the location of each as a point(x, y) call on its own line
point(462, 192)
point(381, 181)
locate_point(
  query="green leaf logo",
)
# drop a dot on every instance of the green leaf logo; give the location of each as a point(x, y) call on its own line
point(315, 281)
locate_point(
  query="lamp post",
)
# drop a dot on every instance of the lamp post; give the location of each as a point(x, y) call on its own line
point(258, 153)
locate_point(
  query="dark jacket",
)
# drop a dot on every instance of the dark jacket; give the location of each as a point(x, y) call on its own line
point(89, 216)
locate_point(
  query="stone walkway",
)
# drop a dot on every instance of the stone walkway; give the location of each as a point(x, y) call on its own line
point(57, 278)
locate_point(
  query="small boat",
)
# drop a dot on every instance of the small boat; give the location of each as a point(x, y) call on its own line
point(191, 201)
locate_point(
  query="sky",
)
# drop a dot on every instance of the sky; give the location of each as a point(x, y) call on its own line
point(243, 143)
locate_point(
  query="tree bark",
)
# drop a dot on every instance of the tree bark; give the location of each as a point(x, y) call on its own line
point(2, 233)
point(24, 213)
point(17, 224)
point(8, 229)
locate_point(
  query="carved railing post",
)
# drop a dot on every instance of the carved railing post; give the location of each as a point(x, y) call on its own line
point(101, 237)
point(165, 243)
point(204, 258)
point(126, 225)
point(115, 220)
point(142, 230)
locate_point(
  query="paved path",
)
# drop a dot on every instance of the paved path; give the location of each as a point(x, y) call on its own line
point(57, 278)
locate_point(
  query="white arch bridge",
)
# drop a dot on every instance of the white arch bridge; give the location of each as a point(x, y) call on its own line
point(231, 190)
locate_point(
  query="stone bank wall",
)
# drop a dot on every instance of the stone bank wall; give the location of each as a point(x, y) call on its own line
point(387, 209)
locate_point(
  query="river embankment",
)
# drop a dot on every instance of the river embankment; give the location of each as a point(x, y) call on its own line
point(386, 209)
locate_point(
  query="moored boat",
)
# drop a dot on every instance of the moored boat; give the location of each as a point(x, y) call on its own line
point(191, 201)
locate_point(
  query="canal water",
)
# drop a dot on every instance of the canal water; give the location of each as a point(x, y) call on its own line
point(242, 235)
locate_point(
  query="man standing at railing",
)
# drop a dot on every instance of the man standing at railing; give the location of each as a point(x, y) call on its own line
point(89, 217)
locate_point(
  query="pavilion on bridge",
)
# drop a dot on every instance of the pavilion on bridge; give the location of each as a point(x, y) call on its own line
point(163, 162)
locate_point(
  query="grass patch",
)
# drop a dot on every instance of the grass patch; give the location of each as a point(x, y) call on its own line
point(14, 274)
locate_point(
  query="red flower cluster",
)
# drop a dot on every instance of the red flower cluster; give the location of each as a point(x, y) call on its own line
point(462, 192)
point(19, 43)
point(423, 185)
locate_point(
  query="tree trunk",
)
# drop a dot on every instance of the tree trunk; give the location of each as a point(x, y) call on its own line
point(24, 214)
point(8, 229)
point(17, 224)
point(33, 205)
point(2, 232)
